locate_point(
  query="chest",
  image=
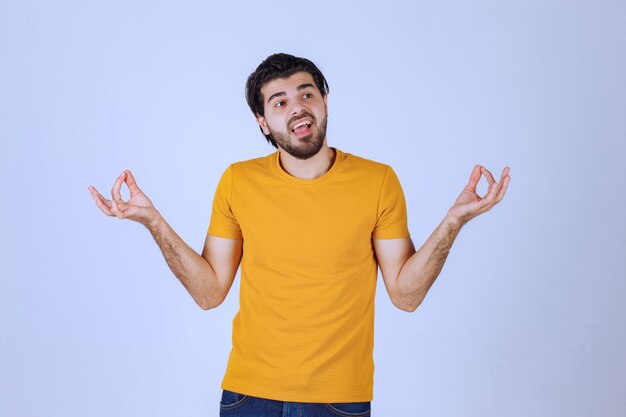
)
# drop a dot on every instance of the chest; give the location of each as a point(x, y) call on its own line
point(299, 224)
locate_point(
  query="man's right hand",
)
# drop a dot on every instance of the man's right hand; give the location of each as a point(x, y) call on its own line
point(138, 208)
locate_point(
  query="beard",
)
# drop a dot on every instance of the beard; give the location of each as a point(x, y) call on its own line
point(304, 147)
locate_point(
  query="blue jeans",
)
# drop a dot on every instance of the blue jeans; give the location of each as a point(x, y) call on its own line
point(234, 404)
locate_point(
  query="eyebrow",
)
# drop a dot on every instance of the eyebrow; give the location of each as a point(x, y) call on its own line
point(282, 93)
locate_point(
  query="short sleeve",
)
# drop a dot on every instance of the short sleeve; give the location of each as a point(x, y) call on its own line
point(223, 221)
point(391, 216)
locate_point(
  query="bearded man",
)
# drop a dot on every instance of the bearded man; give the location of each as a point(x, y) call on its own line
point(309, 225)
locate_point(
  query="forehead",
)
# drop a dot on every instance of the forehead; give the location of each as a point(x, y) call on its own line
point(292, 82)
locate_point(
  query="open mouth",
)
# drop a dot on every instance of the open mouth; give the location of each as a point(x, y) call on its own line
point(301, 128)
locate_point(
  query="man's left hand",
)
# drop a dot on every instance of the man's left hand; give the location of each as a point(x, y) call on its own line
point(469, 204)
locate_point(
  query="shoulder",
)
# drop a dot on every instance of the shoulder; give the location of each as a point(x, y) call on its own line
point(255, 163)
point(252, 167)
point(354, 163)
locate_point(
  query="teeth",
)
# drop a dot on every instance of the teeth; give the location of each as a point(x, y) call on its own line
point(300, 124)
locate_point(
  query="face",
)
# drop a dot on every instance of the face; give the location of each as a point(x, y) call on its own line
point(295, 114)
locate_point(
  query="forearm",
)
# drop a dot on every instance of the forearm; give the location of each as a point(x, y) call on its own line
point(191, 269)
point(421, 270)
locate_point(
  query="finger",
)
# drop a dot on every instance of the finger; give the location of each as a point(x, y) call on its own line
point(487, 174)
point(131, 183)
point(103, 204)
point(495, 192)
point(489, 200)
point(502, 189)
point(117, 211)
point(115, 191)
point(474, 178)
point(505, 185)
point(99, 198)
point(497, 189)
point(492, 193)
point(505, 172)
point(126, 210)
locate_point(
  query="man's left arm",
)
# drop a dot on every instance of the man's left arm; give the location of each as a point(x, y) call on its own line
point(408, 274)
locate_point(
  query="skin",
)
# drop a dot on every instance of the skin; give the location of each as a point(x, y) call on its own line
point(291, 99)
point(408, 274)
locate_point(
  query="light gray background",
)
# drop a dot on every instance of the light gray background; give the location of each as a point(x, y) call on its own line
point(527, 317)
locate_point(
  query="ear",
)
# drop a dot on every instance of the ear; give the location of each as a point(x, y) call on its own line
point(326, 103)
point(263, 123)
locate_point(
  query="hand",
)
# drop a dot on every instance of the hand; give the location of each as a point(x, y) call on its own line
point(469, 204)
point(138, 208)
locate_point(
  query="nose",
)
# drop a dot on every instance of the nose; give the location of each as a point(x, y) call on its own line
point(296, 109)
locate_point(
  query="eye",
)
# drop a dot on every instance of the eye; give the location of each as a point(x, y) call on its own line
point(279, 104)
point(308, 95)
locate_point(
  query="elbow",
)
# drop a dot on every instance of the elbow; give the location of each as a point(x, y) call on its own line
point(206, 306)
point(409, 308)
point(209, 303)
point(408, 304)
point(209, 299)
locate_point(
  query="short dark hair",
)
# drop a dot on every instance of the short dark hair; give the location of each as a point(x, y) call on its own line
point(279, 66)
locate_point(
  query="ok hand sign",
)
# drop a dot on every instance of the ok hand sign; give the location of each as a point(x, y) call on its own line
point(469, 204)
point(138, 208)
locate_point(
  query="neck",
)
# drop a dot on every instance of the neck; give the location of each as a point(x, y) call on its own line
point(311, 168)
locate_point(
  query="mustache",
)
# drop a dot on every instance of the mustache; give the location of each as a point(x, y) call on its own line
point(294, 119)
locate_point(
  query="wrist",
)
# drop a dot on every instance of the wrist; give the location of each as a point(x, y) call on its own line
point(154, 221)
point(453, 222)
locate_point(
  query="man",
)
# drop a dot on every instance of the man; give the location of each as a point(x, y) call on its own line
point(310, 225)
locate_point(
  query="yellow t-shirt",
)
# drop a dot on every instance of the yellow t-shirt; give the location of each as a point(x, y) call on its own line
point(305, 327)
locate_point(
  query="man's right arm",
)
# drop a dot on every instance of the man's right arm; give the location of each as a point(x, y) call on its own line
point(207, 277)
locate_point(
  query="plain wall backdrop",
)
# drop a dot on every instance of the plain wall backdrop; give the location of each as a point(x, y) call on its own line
point(527, 317)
